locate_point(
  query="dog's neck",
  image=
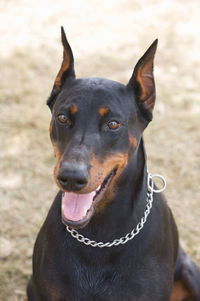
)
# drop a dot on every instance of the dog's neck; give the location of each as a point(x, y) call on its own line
point(127, 206)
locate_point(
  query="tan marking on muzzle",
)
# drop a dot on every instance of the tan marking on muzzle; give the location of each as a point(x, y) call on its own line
point(59, 158)
point(100, 170)
point(50, 129)
point(98, 173)
point(133, 142)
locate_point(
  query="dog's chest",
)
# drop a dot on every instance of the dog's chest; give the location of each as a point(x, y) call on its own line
point(95, 283)
point(99, 283)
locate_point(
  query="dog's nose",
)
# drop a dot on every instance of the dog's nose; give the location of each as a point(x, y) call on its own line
point(73, 176)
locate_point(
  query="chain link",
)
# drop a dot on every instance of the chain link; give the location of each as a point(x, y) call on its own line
point(135, 231)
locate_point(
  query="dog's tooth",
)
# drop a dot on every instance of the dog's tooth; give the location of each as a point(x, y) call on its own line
point(98, 188)
point(85, 211)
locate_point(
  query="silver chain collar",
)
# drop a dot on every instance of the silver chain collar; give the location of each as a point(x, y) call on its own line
point(136, 230)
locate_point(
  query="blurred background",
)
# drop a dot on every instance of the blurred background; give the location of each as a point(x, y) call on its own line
point(107, 38)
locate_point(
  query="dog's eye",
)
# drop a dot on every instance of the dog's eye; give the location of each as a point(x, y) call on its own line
point(113, 125)
point(62, 118)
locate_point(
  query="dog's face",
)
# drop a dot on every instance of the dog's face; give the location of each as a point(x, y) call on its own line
point(95, 129)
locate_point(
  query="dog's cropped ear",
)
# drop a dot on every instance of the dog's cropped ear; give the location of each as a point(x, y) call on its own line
point(142, 83)
point(66, 70)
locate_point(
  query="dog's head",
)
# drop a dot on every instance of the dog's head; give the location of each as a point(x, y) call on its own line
point(95, 129)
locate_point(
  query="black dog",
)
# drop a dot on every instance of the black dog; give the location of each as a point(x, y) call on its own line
point(101, 170)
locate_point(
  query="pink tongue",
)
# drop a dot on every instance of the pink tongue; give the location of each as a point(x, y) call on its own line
point(75, 206)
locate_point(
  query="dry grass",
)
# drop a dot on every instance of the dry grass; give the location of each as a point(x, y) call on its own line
point(107, 37)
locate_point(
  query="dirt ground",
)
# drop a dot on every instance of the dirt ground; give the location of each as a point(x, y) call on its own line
point(107, 38)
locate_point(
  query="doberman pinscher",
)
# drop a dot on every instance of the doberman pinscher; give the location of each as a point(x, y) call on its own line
point(105, 198)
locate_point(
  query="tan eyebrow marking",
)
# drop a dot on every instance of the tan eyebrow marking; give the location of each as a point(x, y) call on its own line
point(103, 111)
point(73, 109)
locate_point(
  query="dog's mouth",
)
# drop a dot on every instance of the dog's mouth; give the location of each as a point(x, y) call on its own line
point(77, 209)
